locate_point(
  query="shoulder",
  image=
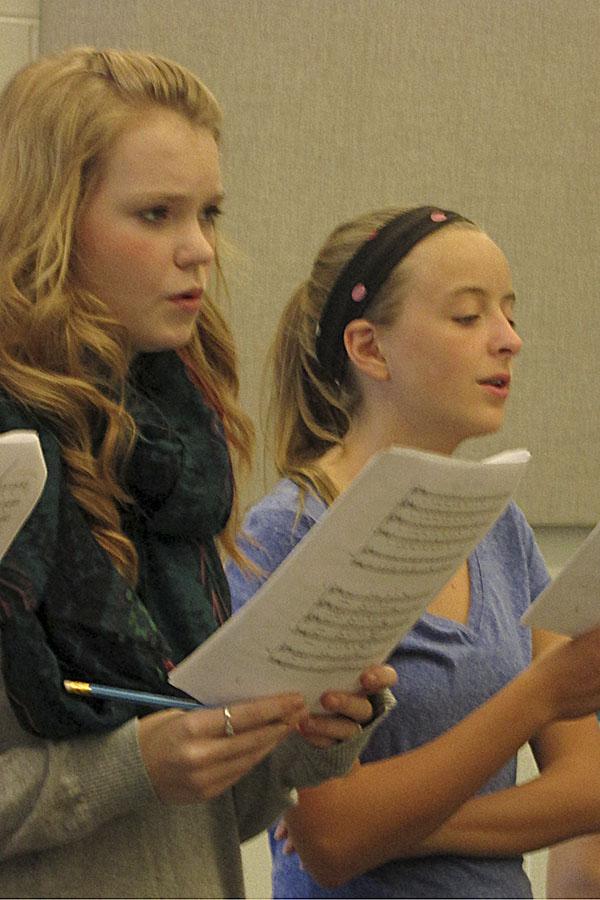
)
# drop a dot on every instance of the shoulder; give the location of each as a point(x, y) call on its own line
point(15, 416)
point(511, 545)
point(285, 506)
point(511, 531)
point(271, 530)
point(36, 538)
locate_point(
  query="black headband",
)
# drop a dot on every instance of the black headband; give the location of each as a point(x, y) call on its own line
point(364, 274)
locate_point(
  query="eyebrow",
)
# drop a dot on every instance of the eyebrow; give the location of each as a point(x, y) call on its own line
point(158, 197)
point(481, 292)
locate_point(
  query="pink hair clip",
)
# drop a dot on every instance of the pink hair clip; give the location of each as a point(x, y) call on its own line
point(438, 216)
point(359, 292)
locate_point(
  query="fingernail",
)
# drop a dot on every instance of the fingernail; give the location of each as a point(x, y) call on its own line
point(294, 721)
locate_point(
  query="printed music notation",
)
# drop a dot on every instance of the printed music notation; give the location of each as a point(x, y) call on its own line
point(358, 581)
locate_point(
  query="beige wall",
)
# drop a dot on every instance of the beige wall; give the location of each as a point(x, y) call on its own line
point(336, 106)
point(19, 21)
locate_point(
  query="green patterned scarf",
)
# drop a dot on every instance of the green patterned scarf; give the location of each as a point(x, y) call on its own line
point(64, 610)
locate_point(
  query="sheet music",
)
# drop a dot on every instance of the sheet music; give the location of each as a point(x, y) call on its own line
point(571, 603)
point(22, 478)
point(353, 587)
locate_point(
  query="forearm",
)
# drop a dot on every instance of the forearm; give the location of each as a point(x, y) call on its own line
point(561, 802)
point(298, 764)
point(386, 809)
point(57, 792)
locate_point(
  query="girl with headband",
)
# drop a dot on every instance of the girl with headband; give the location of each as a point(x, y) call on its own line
point(403, 335)
point(112, 349)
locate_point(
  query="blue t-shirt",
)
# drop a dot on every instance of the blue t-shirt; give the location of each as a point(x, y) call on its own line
point(445, 670)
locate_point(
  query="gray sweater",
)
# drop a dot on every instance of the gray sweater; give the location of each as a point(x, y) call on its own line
point(79, 818)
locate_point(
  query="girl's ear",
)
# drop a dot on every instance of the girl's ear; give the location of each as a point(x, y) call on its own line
point(362, 347)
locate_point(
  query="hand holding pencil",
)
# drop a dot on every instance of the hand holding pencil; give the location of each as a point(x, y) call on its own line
point(106, 692)
point(193, 753)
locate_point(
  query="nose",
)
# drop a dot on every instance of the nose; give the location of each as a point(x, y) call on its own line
point(195, 247)
point(505, 339)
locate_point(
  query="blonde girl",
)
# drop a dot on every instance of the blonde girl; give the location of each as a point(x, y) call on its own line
point(404, 334)
point(113, 350)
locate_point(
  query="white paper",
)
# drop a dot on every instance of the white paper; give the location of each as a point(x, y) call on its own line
point(571, 603)
point(358, 581)
point(22, 478)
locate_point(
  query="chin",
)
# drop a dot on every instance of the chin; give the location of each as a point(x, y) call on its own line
point(160, 345)
point(469, 429)
point(485, 428)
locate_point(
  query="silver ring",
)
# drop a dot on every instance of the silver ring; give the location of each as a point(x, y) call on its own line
point(229, 729)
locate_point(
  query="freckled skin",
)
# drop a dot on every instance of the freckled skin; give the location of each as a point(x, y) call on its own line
point(453, 331)
point(147, 232)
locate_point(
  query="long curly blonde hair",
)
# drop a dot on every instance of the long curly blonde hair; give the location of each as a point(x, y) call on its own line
point(61, 353)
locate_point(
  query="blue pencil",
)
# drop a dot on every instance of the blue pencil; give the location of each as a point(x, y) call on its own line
point(84, 688)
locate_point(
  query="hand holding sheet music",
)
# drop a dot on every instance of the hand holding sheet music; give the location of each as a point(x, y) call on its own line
point(22, 478)
point(353, 587)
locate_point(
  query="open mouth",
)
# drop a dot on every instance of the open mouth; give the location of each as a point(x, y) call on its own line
point(499, 381)
point(188, 295)
point(187, 299)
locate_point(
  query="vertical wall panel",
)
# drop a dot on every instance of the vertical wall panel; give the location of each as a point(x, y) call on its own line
point(19, 21)
point(339, 106)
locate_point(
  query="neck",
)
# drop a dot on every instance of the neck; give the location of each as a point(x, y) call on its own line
point(368, 435)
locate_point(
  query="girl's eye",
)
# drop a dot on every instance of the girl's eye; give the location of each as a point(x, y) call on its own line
point(154, 214)
point(466, 320)
point(211, 213)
